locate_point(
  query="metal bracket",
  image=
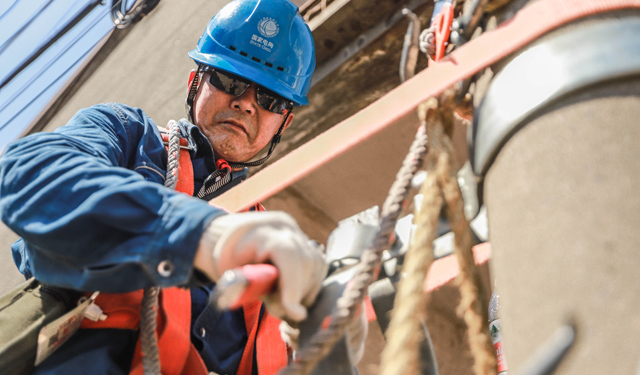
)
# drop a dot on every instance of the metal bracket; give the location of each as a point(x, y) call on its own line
point(586, 55)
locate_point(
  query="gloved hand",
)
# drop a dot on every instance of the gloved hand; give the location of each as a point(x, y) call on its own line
point(236, 240)
point(427, 41)
point(356, 333)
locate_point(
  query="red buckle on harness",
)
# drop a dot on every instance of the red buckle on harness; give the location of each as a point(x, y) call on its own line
point(222, 164)
point(183, 141)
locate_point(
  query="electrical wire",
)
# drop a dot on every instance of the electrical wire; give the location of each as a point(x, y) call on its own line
point(50, 85)
point(57, 57)
point(8, 10)
point(43, 47)
point(32, 18)
point(53, 60)
point(77, 18)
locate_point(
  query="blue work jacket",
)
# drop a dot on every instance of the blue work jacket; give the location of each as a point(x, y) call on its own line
point(89, 203)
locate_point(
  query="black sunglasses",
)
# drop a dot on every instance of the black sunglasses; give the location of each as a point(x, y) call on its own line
point(236, 86)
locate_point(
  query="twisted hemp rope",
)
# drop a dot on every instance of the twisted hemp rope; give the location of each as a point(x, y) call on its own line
point(401, 354)
point(323, 341)
point(149, 309)
point(473, 308)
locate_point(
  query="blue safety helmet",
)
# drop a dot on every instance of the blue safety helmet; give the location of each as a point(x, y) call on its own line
point(264, 41)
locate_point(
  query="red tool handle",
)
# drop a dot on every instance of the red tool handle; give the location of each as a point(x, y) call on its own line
point(261, 280)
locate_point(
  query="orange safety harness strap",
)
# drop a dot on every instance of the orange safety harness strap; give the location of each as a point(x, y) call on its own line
point(178, 356)
point(264, 338)
point(251, 315)
point(271, 351)
point(173, 332)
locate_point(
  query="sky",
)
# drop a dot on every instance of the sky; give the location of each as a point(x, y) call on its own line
point(25, 26)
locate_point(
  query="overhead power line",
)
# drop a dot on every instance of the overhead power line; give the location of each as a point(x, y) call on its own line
point(79, 16)
point(51, 84)
point(145, 9)
point(56, 58)
point(35, 15)
point(8, 9)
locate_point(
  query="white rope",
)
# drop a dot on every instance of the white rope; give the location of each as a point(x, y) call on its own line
point(149, 308)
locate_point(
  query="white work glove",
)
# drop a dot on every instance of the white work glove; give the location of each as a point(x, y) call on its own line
point(356, 333)
point(235, 240)
point(427, 41)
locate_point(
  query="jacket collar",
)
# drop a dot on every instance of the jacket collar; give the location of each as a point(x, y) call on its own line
point(199, 145)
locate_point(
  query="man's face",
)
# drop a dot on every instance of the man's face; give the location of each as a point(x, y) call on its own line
point(237, 127)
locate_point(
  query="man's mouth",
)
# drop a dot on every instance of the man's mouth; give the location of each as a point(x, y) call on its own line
point(236, 124)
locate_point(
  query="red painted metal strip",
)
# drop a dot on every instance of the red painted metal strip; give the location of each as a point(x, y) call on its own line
point(443, 270)
point(530, 23)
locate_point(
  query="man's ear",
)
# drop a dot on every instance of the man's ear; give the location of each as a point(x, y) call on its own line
point(286, 124)
point(192, 76)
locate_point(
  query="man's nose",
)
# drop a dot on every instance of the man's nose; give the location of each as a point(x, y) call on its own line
point(247, 101)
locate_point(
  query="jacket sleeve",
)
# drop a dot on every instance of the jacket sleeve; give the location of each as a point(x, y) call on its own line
point(89, 204)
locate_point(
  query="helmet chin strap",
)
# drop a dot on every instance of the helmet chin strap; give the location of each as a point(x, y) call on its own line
point(193, 89)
